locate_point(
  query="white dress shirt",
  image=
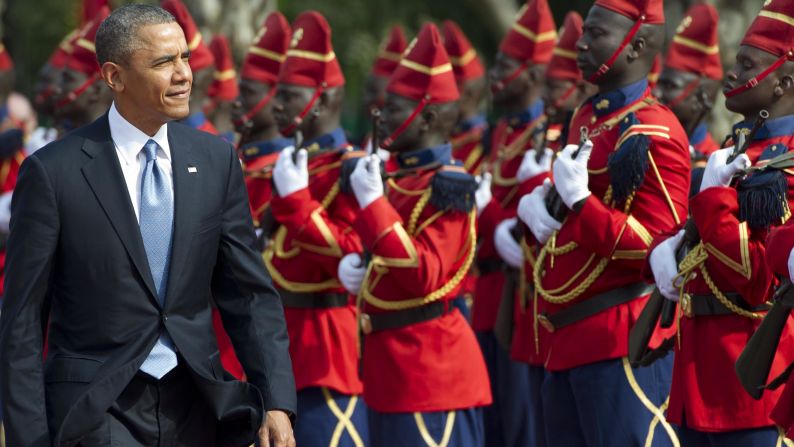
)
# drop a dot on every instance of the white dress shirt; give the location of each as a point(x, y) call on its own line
point(129, 142)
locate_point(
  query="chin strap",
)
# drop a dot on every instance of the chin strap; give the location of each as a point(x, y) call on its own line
point(611, 61)
point(247, 119)
point(500, 85)
point(684, 94)
point(74, 94)
point(755, 80)
point(290, 129)
point(417, 110)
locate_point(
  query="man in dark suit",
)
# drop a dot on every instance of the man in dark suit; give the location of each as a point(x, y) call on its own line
point(119, 233)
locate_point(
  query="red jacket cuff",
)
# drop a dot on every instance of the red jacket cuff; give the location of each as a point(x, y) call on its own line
point(295, 209)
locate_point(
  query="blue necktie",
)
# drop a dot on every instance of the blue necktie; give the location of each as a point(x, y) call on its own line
point(157, 226)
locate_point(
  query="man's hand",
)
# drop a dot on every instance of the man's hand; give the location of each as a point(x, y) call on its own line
point(719, 172)
point(532, 211)
point(665, 267)
point(531, 167)
point(507, 247)
point(277, 429)
point(288, 175)
point(366, 181)
point(482, 196)
point(570, 174)
point(351, 272)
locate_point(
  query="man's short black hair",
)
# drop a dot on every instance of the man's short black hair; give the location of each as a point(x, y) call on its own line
point(117, 36)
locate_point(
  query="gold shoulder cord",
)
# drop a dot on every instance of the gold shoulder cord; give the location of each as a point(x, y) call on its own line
point(696, 259)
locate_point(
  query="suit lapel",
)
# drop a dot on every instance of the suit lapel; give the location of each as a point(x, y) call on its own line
point(103, 174)
point(185, 203)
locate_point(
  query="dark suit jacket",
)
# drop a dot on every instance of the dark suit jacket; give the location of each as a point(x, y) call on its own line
point(75, 255)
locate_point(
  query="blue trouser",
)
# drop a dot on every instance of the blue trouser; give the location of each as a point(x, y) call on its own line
point(608, 404)
point(757, 437)
point(461, 428)
point(326, 417)
point(515, 418)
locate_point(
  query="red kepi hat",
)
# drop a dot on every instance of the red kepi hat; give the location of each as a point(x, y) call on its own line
point(83, 59)
point(200, 55)
point(224, 86)
point(531, 39)
point(390, 53)
point(424, 75)
point(91, 9)
point(773, 32)
point(464, 59)
point(563, 60)
point(263, 61)
point(642, 12)
point(6, 63)
point(311, 61)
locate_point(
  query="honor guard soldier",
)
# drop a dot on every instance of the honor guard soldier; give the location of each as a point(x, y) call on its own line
point(82, 96)
point(424, 376)
point(315, 231)
point(627, 183)
point(565, 90)
point(691, 79)
point(467, 137)
point(725, 281)
point(202, 63)
point(223, 91)
point(260, 141)
point(517, 84)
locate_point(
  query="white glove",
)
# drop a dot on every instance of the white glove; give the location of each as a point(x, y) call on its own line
point(665, 267)
point(532, 211)
point(351, 272)
point(530, 167)
point(290, 176)
point(570, 175)
point(5, 211)
point(718, 172)
point(506, 246)
point(483, 194)
point(366, 181)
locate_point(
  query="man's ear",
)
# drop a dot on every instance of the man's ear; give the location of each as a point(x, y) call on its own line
point(637, 48)
point(112, 74)
point(784, 85)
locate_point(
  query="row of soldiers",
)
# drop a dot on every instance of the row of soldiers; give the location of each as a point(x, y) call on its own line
point(457, 283)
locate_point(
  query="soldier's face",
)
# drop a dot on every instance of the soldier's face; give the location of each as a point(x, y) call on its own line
point(602, 33)
point(670, 88)
point(397, 109)
point(374, 91)
point(289, 102)
point(555, 107)
point(750, 62)
point(251, 93)
point(157, 78)
point(504, 89)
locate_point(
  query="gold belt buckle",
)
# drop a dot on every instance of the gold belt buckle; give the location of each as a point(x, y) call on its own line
point(546, 323)
point(686, 305)
point(366, 324)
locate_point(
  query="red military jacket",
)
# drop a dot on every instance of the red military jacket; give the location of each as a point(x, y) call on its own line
point(467, 143)
point(603, 246)
point(258, 161)
point(422, 245)
point(511, 138)
point(731, 255)
point(315, 233)
point(778, 247)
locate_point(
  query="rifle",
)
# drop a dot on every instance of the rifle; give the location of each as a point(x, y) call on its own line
point(268, 223)
point(661, 310)
point(554, 204)
point(755, 362)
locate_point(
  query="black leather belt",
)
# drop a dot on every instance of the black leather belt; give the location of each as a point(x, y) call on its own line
point(393, 320)
point(313, 300)
point(487, 266)
point(709, 305)
point(593, 305)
